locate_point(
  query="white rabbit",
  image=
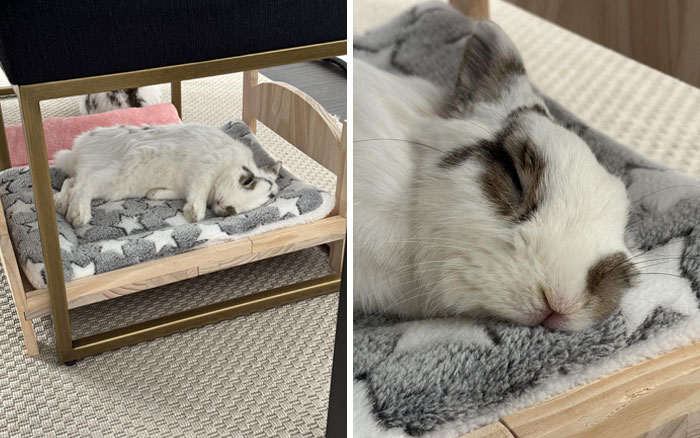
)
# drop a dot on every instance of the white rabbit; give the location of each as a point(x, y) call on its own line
point(198, 163)
point(476, 202)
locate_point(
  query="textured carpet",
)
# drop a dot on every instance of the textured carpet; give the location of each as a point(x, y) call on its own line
point(265, 374)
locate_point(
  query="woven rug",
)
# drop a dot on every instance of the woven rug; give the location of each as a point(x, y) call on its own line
point(260, 375)
point(444, 377)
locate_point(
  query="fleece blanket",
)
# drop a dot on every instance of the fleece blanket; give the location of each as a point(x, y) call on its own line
point(130, 231)
point(59, 132)
point(445, 377)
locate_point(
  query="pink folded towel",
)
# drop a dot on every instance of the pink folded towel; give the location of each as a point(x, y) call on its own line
point(61, 131)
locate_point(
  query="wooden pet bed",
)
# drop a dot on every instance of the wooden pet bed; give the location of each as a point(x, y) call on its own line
point(289, 112)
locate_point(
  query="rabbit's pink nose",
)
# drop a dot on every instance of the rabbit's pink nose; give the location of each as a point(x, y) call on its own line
point(219, 202)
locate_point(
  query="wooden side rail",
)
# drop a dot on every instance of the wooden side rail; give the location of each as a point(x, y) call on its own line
point(189, 264)
point(303, 122)
point(296, 117)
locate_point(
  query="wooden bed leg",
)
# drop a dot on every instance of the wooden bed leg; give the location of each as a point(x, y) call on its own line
point(4, 150)
point(29, 334)
point(336, 255)
point(341, 203)
point(477, 9)
point(176, 96)
point(250, 80)
point(14, 280)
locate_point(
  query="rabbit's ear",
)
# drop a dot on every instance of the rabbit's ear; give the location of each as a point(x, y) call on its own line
point(489, 62)
point(272, 168)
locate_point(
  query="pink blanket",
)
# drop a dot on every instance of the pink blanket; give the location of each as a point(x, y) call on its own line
point(61, 131)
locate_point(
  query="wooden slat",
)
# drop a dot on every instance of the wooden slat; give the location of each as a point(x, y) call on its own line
point(14, 278)
point(190, 264)
point(493, 430)
point(299, 119)
point(299, 237)
point(250, 81)
point(135, 278)
point(629, 403)
point(176, 96)
point(7, 91)
point(284, 241)
point(5, 161)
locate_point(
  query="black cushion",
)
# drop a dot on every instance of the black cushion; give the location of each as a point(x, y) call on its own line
point(50, 40)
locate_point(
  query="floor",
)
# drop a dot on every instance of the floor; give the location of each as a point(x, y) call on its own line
point(265, 374)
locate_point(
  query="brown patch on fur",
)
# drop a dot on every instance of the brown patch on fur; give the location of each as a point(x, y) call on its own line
point(133, 98)
point(513, 171)
point(512, 178)
point(607, 280)
point(113, 98)
point(252, 185)
point(247, 180)
point(90, 104)
point(230, 211)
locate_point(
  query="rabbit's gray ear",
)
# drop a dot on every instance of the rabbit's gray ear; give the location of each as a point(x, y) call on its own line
point(273, 168)
point(489, 62)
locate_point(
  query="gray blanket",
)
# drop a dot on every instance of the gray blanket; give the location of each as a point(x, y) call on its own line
point(127, 232)
point(446, 377)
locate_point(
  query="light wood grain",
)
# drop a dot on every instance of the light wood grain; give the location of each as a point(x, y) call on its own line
point(13, 275)
point(477, 9)
point(629, 403)
point(5, 162)
point(303, 122)
point(250, 80)
point(493, 430)
point(168, 270)
point(661, 34)
point(300, 236)
point(176, 96)
point(284, 241)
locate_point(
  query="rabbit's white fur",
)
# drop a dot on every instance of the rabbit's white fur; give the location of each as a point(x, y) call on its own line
point(194, 162)
point(427, 239)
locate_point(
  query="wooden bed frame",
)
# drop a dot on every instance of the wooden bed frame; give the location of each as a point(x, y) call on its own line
point(658, 398)
point(288, 111)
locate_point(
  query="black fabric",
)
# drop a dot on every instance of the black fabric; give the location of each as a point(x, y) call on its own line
point(49, 40)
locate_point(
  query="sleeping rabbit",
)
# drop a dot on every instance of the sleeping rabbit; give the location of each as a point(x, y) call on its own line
point(198, 163)
point(475, 201)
